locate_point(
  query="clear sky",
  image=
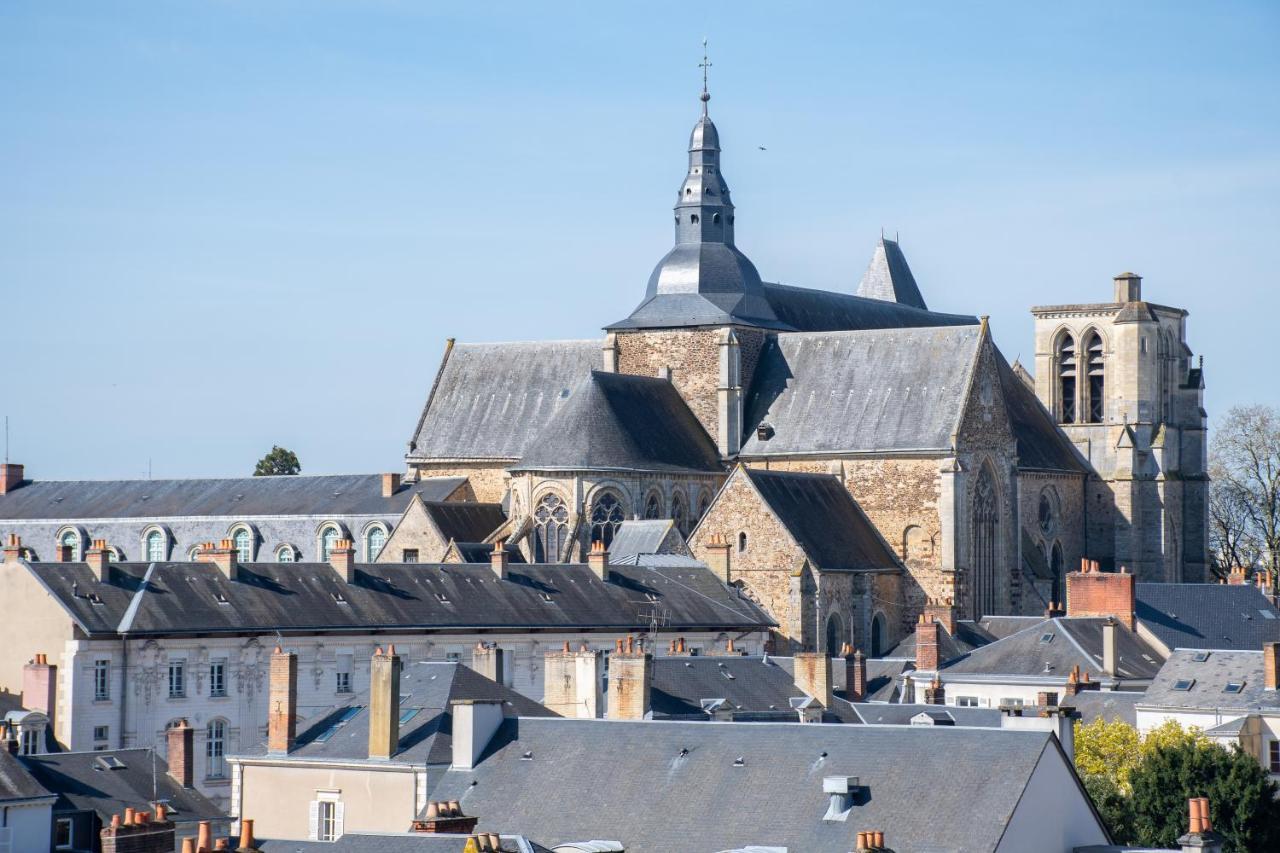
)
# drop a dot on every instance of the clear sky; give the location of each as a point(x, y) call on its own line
point(226, 225)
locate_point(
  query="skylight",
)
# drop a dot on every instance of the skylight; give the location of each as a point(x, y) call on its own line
point(1201, 657)
point(1267, 614)
point(1183, 683)
point(1046, 638)
point(347, 716)
point(408, 714)
point(1233, 687)
point(108, 762)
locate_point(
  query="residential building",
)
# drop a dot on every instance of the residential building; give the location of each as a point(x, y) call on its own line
point(26, 807)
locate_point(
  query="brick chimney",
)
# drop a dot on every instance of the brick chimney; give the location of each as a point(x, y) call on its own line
point(1271, 665)
point(598, 560)
point(1238, 576)
point(943, 611)
point(40, 687)
point(630, 681)
point(384, 703)
point(138, 833)
point(99, 559)
point(927, 642)
point(282, 702)
point(571, 683)
point(445, 817)
point(390, 484)
point(487, 659)
point(813, 676)
point(1200, 837)
point(12, 548)
point(718, 550)
point(500, 559)
point(180, 741)
point(1128, 287)
point(10, 477)
point(343, 560)
point(222, 554)
point(935, 693)
point(1093, 592)
point(855, 674)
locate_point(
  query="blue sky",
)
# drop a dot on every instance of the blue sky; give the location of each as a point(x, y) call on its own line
point(230, 224)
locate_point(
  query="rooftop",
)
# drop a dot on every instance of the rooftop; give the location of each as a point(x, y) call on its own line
point(1207, 616)
point(1051, 648)
point(1220, 681)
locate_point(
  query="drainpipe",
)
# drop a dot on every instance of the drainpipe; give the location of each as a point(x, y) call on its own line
point(124, 684)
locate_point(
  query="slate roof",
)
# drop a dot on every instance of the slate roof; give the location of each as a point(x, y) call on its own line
point(702, 802)
point(82, 785)
point(490, 400)
point(752, 684)
point(327, 495)
point(968, 636)
point(804, 309)
point(882, 390)
point(1106, 704)
point(1209, 679)
point(1074, 641)
point(1207, 616)
point(883, 714)
point(1042, 445)
point(482, 552)
point(16, 782)
point(889, 277)
point(820, 514)
point(465, 521)
point(408, 842)
point(619, 422)
point(426, 737)
point(266, 597)
point(642, 536)
point(882, 680)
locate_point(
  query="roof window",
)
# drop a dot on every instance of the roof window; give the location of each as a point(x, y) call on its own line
point(347, 716)
point(108, 762)
point(1184, 684)
point(1046, 638)
point(1200, 657)
point(1233, 687)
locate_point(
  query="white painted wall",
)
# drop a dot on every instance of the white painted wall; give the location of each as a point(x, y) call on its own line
point(26, 825)
point(1053, 814)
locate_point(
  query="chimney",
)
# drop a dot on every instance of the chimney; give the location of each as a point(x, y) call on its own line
point(245, 844)
point(390, 484)
point(718, 550)
point(282, 699)
point(1042, 718)
point(343, 560)
point(486, 659)
point(384, 704)
point(182, 754)
point(871, 842)
point(99, 560)
point(445, 817)
point(1128, 287)
point(598, 560)
point(1092, 592)
point(935, 693)
point(10, 477)
point(1109, 647)
point(1054, 610)
point(943, 612)
point(813, 676)
point(927, 640)
point(855, 677)
point(1271, 665)
point(13, 548)
point(137, 833)
point(571, 683)
point(223, 555)
point(499, 559)
point(1238, 576)
point(630, 681)
point(40, 687)
point(1200, 837)
point(474, 723)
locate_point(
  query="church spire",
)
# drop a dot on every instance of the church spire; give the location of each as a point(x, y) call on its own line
point(704, 212)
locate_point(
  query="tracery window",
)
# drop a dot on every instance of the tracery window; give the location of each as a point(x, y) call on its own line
point(985, 522)
point(1067, 380)
point(606, 518)
point(653, 506)
point(680, 513)
point(551, 529)
point(1093, 364)
point(704, 504)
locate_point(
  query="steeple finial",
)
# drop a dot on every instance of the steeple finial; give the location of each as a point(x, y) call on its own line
point(704, 65)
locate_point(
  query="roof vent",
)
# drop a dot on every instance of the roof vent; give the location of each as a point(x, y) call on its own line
point(842, 790)
point(739, 762)
point(764, 432)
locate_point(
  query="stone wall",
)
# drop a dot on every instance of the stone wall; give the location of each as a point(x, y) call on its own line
point(488, 480)
point(1067, 527)
point(694, 358)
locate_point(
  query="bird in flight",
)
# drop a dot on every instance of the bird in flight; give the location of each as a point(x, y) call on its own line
point(762, 148)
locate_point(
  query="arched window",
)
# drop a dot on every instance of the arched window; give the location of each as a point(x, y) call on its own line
point(193, 553)
point(1067, 380)
point(704, 504)
point(1097, 399)
point(653, 506)
point(606, 517)
point(835, 638)
point(715, 218)
point(115, 555)
point(286, 554)
point(551, 529)
point(680, 513)
point(373, 542)
point(1055, 566)
point(242, 541)
point(742, 542)
point(693, 217)
point(877, 636)
point(71, 539)
point(984, 544)
point(328, 541)
point(215, 749)
point(155, 547)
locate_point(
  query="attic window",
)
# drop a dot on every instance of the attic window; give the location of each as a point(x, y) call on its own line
point(406, 716)
point(442, 598)
point(1267, 614)
point(1233, 687)
point(739, 762)
point(546, 596)
point(108, 762)
point(1184, 684)
point(1201, 657)
point(694, 219)
point(339, 597)
point(347, 715)
point(220, 598)
point(1046, 638)
point(764, 432)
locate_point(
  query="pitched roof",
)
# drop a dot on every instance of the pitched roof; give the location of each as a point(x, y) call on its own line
point(490, 400)
point(751, 684)
point(465, 521)
point(824, 519)
point(189, 597)
point(646, 536)
point(399, 842)
point(1050, 648)
point(880, 390)
point(804, 309)
point(327, 495)
point(427, 689)
point(619, 422)
point(82, 784)
point(482, 552)
point(703, 800)
point(1207, 616)
point(888, 277)
point(884, 714)
point(1105, 704)
point(968, 636)
point(16, 782)
point(1041, 444)
point(1206, 682)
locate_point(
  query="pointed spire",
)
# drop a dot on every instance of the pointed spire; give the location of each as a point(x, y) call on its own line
point(888, 277)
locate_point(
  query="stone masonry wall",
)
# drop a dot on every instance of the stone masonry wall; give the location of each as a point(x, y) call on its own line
point(488, 479)
point(694, 358)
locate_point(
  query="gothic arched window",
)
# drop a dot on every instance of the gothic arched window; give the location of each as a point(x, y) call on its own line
point(985, 523)
point(653, 506)
point(606, 517)
point(1067, 380)
point(835, 635)
point(1055, 566)
point(680, 513)
point(551, 529)
point(1093, 364)
point(704, 504)
point(877, 636)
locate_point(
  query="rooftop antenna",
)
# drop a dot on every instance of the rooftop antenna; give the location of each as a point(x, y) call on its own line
point(704, 65)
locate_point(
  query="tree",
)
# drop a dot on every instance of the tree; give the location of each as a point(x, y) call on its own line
point(278, 461)
point(1247, 450)
point(1232, 538)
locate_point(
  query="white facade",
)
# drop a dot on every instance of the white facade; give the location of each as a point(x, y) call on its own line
point(1261, 739)
point(25, 825)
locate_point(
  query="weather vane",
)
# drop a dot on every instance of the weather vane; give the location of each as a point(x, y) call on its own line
point(704, 65)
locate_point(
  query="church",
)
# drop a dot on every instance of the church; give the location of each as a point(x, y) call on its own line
point(844, 459)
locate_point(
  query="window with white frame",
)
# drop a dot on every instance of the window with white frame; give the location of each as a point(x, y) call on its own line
point(71, 539)
point(242, 540)
point(215, 748)
point(155, 547)
point(101, 680)
point(967, 701)
point(177, 679)
point(1011, 702)
point(63, 834)
point(328, 541)
point(374, 540)
point(343, 678)
point(29, 742)
point(218, 678)
point(326, 818)
point(101, 732)
point(285, 554)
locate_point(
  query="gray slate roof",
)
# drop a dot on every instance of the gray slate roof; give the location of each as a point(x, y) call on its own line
point(882, 390)
point(1075, 641)
point(644, 536)
point(752, 684)
point(16, 782)
point(490, 400)
point(410, 842)
point(81, 785)
point(326, 495)
point(185, 597)
point(1041, 444)
point(701, 802)
point(824, 519)
point(1209, 679)
point(968, 636)
point(619, 422)
point(427, 687)
point(1106, 704)
point(889, 277)
point(465, 521)
point(883, 714)
point(1207, 616)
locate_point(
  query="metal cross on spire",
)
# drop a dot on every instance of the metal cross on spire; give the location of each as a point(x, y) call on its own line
point(704, 65)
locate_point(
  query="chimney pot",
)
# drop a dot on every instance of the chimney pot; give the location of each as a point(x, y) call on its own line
point(223, 555)
point(500, 559)
point(204, 836)
point(188, 845)
point(128, 816)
